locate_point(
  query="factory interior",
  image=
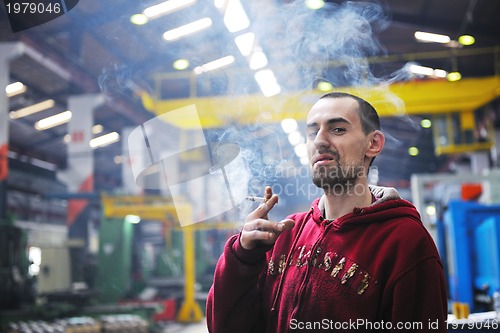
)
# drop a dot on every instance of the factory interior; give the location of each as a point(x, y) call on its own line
point(132, 131)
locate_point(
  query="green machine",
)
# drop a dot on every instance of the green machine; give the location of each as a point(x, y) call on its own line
point(115, 259)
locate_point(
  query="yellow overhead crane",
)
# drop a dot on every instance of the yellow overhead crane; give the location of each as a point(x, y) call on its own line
point(450, 104)
point(162, 209)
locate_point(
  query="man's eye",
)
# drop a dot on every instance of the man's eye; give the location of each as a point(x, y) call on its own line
point(338, 130)
point(312, 134)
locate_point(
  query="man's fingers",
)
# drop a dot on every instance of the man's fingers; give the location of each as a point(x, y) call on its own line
point(263, 209)
point(262, 230)
point(287, 224)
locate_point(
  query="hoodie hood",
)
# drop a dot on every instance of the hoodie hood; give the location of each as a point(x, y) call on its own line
point(387, 204)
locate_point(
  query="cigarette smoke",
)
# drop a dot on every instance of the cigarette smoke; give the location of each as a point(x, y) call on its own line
point(333, 44)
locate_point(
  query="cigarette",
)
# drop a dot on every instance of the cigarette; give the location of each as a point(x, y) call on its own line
point(256, 199)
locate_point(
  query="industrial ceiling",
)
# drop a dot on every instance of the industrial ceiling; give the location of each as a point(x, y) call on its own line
point(95, 48)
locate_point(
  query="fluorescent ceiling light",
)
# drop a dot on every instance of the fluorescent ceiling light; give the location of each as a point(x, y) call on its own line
point(104, 140)
point(219, 3)
point(216, 64)
point(53, 121)
point(301, 150)
point(295, 138)
point(32, 109)
point(245, 43)
point(315, 4)
point(14, 89)
point(235, 17)
point(430, 37)
point(258, 60)
point(267, 82)
point(187, 29)
point(134, 219)
point(166, 7)
point(440, 73)
point(422, 70)
point(289, 125)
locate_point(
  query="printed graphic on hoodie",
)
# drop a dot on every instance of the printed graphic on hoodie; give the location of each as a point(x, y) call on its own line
point(339, 268)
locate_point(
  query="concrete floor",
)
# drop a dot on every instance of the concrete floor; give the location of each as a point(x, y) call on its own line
point(200, 327)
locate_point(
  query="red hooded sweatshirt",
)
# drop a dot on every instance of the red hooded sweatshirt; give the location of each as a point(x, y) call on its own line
point(374, 269)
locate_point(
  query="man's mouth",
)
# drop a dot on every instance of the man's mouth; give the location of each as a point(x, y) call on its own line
point(323, 159)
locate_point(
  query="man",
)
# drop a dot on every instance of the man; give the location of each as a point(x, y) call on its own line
point(358, 260)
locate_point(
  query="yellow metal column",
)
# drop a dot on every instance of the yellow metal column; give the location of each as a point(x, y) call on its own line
point(190, 310)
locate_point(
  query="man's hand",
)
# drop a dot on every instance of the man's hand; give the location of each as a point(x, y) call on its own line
point(258, 229)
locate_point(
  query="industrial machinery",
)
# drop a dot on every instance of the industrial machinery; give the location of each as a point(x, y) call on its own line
point(462, 213)
point(15, 284)
point(472, 236)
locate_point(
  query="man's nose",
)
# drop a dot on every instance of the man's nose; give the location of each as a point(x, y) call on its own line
point(321, 139)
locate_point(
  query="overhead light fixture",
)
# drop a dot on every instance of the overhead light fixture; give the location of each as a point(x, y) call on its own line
point(219, 3)
point(96, 129)
point(267, 82)
point(29, 110)
point(466, 40)
point(134, 219)
point(426, 123)
point(289, 125)
point(216, 64)
point(413, 151)
point(324, 86)
point(166, 7)
point(315, 4)
point(431, 210)
point(258, 60)
point(295, 138)
point(245, 43)
point(301, 150)
point(53, 121)
point(431, 37)
point(235, 17)
point(180, 64)
point(14, 89)
point(139, 19)
point(427, 71)
point(104, 140)
point(440, 73)
point(454, 76)
point(187, 29)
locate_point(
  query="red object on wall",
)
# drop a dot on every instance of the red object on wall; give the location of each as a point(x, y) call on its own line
point(471, 191)
point(168, 313)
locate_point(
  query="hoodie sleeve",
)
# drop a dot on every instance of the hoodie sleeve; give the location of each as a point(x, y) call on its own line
point(234, 303)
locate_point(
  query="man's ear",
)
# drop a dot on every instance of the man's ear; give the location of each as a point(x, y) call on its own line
point(376, 143)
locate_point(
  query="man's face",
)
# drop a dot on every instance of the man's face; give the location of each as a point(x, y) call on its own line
point(336, 143)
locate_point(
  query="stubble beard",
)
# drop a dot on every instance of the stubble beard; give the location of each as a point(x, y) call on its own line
point(336, 179)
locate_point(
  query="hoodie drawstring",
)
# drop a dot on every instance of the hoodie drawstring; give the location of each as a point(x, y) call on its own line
point(288, 258)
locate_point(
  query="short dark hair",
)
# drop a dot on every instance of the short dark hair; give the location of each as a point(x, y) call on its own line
point(367, 113)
